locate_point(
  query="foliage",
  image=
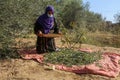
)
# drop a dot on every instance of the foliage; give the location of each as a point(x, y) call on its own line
point(70, 13)
point(73, 37)
point(70, 57)
point(77, 14)
point(112, 28)
point(16, 19)
point(94, 22)
point(115, 30)
point(117, 17)
point(8, 53)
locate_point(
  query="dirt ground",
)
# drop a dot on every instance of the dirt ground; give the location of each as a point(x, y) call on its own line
point(20, 69)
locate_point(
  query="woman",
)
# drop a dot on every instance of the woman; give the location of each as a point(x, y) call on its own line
point(44, 24)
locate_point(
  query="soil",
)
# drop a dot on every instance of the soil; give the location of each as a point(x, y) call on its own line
point(20, 69)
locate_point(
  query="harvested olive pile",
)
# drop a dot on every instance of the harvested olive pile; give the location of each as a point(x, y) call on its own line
point(70, 57)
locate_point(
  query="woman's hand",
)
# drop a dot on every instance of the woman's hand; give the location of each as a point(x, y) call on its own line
point(39, 33)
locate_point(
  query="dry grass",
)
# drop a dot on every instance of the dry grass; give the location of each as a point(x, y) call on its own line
point(104, 39)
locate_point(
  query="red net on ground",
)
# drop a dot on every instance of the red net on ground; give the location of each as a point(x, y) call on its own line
point(108, 66)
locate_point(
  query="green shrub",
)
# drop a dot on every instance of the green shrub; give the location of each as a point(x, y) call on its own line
point(73, 37)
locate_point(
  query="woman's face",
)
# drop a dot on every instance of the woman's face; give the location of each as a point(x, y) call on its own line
point(50, 14)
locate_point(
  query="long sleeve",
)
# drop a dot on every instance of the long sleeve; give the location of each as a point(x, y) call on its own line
point(37, 28)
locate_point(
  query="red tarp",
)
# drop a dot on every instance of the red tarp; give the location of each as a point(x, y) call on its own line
point(108, 66)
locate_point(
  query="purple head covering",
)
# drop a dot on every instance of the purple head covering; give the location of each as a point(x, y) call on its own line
point(49, 8)
point(45, 21)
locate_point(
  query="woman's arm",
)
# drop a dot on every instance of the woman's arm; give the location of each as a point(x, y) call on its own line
point(37, 28)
